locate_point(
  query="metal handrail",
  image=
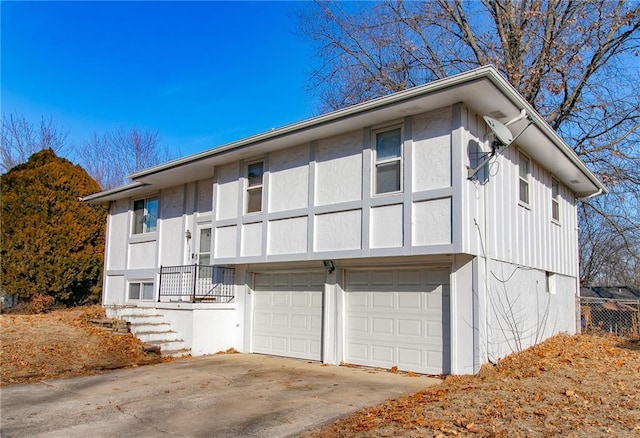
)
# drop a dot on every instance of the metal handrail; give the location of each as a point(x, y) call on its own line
point(196, 283)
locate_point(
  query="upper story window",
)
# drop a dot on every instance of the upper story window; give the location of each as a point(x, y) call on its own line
point(388, 161)
point(555, 199)
point(255, 172)
point(524, 165)
point(145, 215)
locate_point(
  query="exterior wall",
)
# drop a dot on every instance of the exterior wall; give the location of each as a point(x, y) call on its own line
point(517, 234)
point(516, 246)
point(206, 328)
point(318, 201)
point(138, 257)
point(521, 312)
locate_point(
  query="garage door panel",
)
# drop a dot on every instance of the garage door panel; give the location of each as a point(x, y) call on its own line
point(411, 357)
point(287, 315)
point(398, 324)
point(410, 300)
point(383, 300)
point(356, 324)
point(382, 353)
point(382, 326)
point(410, 327)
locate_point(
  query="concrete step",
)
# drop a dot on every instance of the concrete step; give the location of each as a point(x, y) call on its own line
point(144, 319)
point(148, 325)
point(150, 336)
point(174, 348)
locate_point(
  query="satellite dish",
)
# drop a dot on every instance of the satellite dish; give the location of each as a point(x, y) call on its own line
point(502, 133)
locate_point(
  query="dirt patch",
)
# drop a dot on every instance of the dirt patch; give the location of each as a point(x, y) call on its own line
point(63, 343)
point(573, 386)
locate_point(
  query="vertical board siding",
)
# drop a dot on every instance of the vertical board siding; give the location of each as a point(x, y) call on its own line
point(522, 235)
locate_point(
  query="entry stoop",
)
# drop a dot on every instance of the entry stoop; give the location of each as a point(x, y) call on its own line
point(151, 328)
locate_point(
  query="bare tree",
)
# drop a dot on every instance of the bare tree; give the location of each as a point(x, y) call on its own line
point(575, 62)
point(20, 139)
point(111, 156)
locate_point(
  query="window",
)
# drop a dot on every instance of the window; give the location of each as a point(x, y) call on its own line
point(145, 215)
point(523, 163)
point(140, 290)
point(555, 200)
point(388, 166)
point(255, 173)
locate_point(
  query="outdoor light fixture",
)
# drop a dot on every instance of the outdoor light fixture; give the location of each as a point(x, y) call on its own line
point(329, 265)
point(188, 235)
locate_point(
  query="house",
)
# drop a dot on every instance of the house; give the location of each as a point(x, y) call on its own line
point(362, 235)
point(613, 309)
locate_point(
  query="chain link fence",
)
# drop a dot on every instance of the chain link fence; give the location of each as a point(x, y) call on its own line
point(609, 315)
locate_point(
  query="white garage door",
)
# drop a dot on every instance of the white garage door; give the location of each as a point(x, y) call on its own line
point(398, 318)
point(287, 314)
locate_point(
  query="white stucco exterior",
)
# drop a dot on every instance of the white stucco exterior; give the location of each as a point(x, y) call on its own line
point(506, 270)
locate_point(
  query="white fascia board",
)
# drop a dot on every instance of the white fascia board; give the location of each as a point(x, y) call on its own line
point(115, 193)
point(508, 90)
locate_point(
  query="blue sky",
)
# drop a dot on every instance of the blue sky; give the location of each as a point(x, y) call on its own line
point(201, 73)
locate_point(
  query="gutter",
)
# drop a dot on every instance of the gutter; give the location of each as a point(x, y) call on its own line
point(114, 191)
point(541, 124)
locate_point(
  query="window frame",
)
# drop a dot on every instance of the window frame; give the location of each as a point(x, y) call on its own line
point(145, 223)
point(141, 284)
point(555, 200)
point(387, 161)
point(524, 182)
point(248, 188)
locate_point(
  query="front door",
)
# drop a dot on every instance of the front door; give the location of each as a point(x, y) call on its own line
point(202, 255)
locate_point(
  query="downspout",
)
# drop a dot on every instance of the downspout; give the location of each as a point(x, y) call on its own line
point(487, 270)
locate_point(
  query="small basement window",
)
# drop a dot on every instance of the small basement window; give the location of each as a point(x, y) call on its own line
point(255, 173)
point(388, 161)
point(145, 215)
point(141, 290)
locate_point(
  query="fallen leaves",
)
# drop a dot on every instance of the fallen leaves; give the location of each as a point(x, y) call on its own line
point(62, 344)
point(566, 386)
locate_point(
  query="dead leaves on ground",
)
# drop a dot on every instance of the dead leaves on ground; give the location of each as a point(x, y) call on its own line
point(63, 343)
point(567, 386)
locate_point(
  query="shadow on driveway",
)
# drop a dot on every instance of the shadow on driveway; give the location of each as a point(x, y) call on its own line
point(247, 395)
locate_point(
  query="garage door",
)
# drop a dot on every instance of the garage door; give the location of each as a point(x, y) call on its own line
point(287, 314)
point(398, 318)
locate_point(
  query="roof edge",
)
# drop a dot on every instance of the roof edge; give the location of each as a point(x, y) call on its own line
point(96, 198)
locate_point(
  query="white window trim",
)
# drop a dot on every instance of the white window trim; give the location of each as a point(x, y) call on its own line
point(141, 283)
point(256, 187)
point(144, 231)
point(525, 204)
point(555, 200)
point(374, 154)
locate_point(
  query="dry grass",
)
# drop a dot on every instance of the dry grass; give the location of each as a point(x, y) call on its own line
point(63, 343)
point(569, 386)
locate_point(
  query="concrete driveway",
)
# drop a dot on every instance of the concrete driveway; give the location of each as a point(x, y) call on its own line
point(246, 395)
